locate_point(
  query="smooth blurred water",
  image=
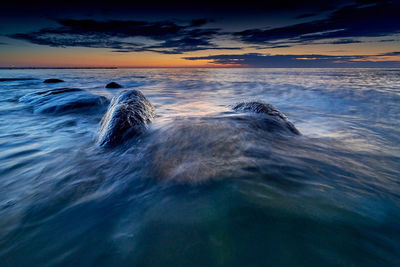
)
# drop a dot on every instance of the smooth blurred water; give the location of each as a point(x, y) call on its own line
point(203, 187)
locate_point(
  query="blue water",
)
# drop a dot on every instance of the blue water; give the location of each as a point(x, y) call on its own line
point(201, 188)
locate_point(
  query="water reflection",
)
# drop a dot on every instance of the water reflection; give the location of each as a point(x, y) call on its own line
point(205, 185)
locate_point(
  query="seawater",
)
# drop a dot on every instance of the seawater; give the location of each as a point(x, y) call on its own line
point(201, 187)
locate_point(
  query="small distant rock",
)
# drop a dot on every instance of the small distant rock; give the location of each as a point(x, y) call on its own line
point(113, 85)
point(53, 81)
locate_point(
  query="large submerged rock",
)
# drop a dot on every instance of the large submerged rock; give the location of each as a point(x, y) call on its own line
point(63, 100)
point(273, 118)
point(213, 147)
point(129, 114)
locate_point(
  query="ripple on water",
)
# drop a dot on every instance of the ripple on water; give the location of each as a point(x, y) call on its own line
point(205, 185)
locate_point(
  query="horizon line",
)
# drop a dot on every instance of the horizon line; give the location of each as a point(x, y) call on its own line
point(197, 67)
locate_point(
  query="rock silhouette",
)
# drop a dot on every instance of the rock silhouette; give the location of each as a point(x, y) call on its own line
point(113, 85)
point(53, 81)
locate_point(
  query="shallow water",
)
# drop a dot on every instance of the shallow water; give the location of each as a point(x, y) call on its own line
point(205, 186)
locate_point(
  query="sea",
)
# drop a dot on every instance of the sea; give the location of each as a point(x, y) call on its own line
point(203, 186)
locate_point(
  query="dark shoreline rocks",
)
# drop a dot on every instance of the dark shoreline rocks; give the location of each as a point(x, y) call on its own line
point(274, 118)
point(63, 100)
point(53, 81)
point(128, 115)
point(113, 85)
point(16, 79)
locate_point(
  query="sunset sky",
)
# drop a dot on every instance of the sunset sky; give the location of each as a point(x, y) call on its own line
point(288, 33)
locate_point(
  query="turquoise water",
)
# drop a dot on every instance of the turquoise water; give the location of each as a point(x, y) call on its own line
point(203, 187)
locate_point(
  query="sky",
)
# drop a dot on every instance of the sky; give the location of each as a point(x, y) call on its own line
point(276, 34)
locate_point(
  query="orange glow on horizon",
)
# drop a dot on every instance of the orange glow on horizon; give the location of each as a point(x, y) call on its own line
point(79, 57)
point(40, 56)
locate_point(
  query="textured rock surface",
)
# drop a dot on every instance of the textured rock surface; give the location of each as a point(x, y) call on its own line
point(275, 118)
point(129, 114)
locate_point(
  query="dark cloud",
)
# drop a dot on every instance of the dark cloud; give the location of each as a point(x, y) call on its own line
point(347, 41)
point(75, 40)
point(364, 19)
point(199, 22)
point(185, 44)
point(115, 28)
point(344, 23)
point(118, 7)
point(344, 41)
point(390, 54)
point(313, 42)
point(295, 61)
point(168, 36)
point(334, 42)
point(305, 16)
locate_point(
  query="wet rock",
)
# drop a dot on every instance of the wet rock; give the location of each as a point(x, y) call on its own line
point(53, 81)
point(113, 85)
point(274, 118)
point(15, 79)
point(129, 114)
point(63, 100)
